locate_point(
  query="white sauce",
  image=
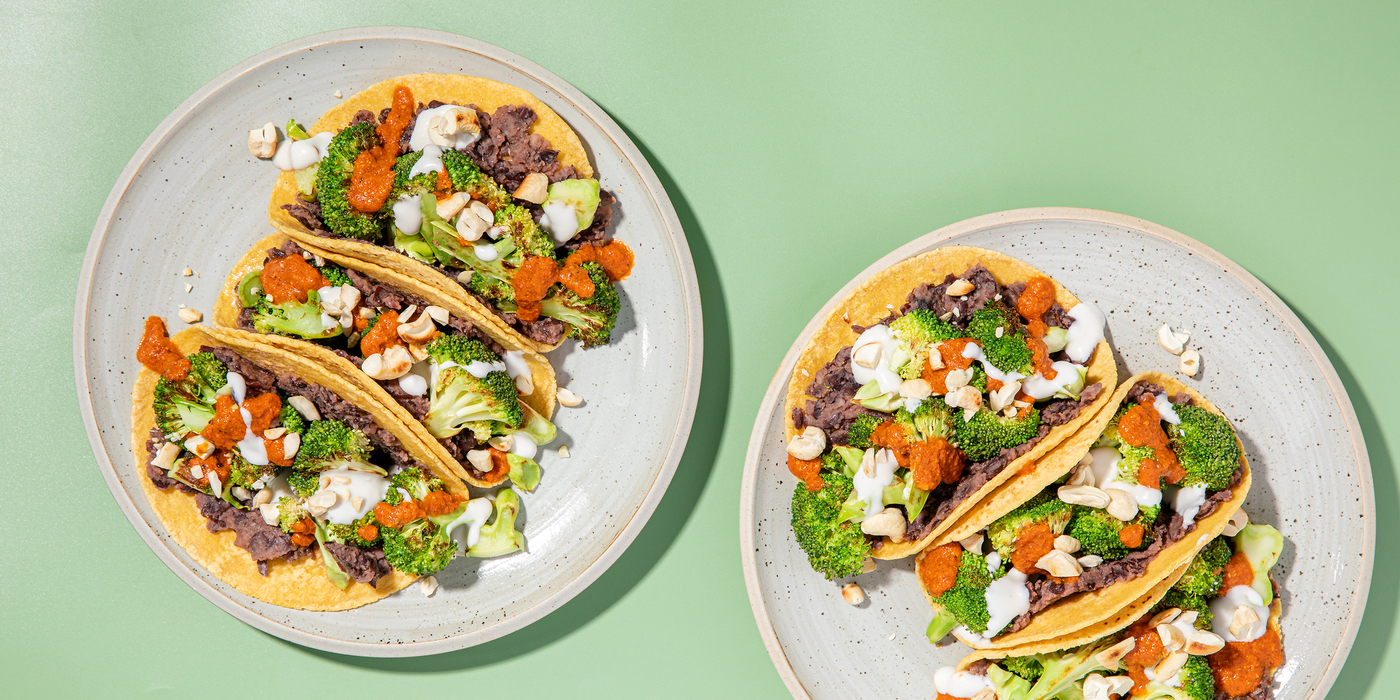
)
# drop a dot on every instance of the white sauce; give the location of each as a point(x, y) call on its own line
point(515, 363)
point(870, 488)
point(959, 684)
point(477, 512)
point(523, 446)
point(280, 487)
point(486, 252)
point(993, 562)
point(429, 162)
point(1188, 501)
point(889, 381)
point(237, 386)
point(1165, 409)
point(413, 384)
point(1007, 599)
point(912, 405)
point(1106, 473)
point(973, 351)
point(367, 485)
point(561, 220)
point(408, 214)
point(251, 446)
point(1224, 610)
point(480, 369)
point(418, 140)
point(1085, 333)
point(327, 321)
point(295, 155)
point(1036, 386)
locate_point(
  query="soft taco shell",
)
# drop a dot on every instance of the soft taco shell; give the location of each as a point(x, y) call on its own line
point(872, 301)
point(1083, 610)
point(299, 584)
point(227, 307)
point(449, 88)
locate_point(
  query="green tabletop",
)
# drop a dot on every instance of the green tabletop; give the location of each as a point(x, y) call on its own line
point(797, 147)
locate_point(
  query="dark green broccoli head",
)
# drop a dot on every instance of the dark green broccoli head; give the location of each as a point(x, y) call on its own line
point(291, 420)
point(335, 276)
point(933, 418)
point(333, 185)
point(331, 444)
point(416, 481)
point(350, 534)
point(519, 225)
point(1098, 532)
point(420, 547)
point(967, 599)
point(834, 548)
point(997, 330)
point(1197, 682)
point(460, 398)
point(1027, 667)
point(187, 405)
point(1206, 572)
point(1186, 601)
point(1206, 445)
point(290, 511)
point(590, 320)
point(923, 327)
point(467, 177)
point(1044, 507)
point(406, 185)
point(461, 350)
point(987, 434)
point(244, 473)
point(304, 483)
point(297, 319)
point(858, 435)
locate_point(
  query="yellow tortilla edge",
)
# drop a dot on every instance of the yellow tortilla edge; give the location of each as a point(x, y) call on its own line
point(300, 584)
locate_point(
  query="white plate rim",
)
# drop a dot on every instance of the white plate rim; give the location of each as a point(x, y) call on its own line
point(777, 390)
point(689, 394)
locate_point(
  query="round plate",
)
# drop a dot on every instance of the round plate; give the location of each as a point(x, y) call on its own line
point(193, 196)
point(1312, 478)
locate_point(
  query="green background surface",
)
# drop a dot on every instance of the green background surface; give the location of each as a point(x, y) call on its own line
point(798, 147)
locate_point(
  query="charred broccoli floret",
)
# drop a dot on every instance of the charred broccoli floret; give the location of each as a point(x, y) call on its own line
point(590, 319)
point(1100, 533)
point(459, 397)
point(1044, 508)
point(331, 444)
point(350, 534)
point(290, 419)
point(467, 177)
point(300, 319)
point(967, 599)
point(417, 482)
point(987, 434)
point(1027, 667)
point(1206, 572)
point(291, 511)
point(996, 328)
point(858, 435)
point(333, 184)
point(187, 405)
point(1197, 683)
point(1176, 598)
point(917, 331)
point(1206, 445)
point(834, 548)
point(421, 547)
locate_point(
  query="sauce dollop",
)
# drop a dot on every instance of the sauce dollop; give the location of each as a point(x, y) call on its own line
point(1238, 572)
point(1147, 653)
point(383, 336)
point(1032, 542)
point(614, 256)
point(399, 515)
point(534, 278)
point(935, 462)
point(939, 569)
point(951, 351)
point(1240, 666)
point(227, 426)
point(290, 277)
point(808, 470)
point(440, 503)
point(159, 354)
point(1131, 536)
point(373, 177)
point(1036, 299)
point(1141, 426)
point(576, 280)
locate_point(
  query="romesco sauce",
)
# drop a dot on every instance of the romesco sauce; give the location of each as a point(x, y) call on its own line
point(534, 278)
point(399, 515)
point(1141, 426)
point(159, 354)
point(290, 277)
point(373, 177)
point(1147, 653)
point(808, 470)
point(263, 410)
point(440, 503)
point(893, 436)
point(227, 426)
point(1238, 572)
point(1032, 542)
point(933, 462)
point(614, 256)
point(383, 336)
point(1240, 666)
point(500, 467)
point(1040, 357)
point(1036, 299)
point(1131, 536)
point(951, 351)
point(939, 569)
point(576, 280)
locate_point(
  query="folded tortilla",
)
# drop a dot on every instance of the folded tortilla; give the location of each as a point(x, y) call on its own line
point(487, 95)
point(1075, 615)
point(299, 584)
point(888, 289)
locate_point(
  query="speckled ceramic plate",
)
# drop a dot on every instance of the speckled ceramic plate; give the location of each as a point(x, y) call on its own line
point(193, 196)
point(1312, 478)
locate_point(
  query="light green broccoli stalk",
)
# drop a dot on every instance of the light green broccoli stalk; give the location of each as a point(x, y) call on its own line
point(500, 536)
point(459, 398)
point(187, 405)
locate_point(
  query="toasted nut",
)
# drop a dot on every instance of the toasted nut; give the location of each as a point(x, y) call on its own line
point(165, 456)
point(915, 389)
point(262, 143)
point(366, 313)
point(1090, 561)
point(1203, 643)
point(853, 593)
point(1244, 624)
point(959, 288)
point(867, 356)
point(563, 452)
point(189, 288)
point(482, 212)
point(241, 493)
point(323, 482)
point(324, 498)
point(1081, 476)
point(972, 544)
point(984, 694)
point(268, 512)
point(407, 314)
point(200, 446)
point(481, 459)
point(1096, 687)
point(216, 486)
point(1171, 664)
point(357, 502)
point(443, 128)
point(1121, 504)
point(191, 315)
point(470, 227)
point(428, 586)
point(1190, 363)
point(1172, 638)
point(274, 433)
point(1237, 523)
point(534, 188)
point(1110, 657)
point(956, 379)
point(419, 331)
point(868, 565)
point(525, 384)
point(417, 351)
point(1173, 342)
point(1187, 619)
point(340, 479)
point(451, 206)
point(338, 94)
point(966, 398)
point(1067, 544)
point(1059, 564)
point(263, 496)
point(304, 406)
point(887, 523)
point(1164, 617)
point(503, 443)
point(438, 314)
point(464, 277)
point(1120, 685)
point(187, 272)
point(1002, 398)
point(809, 444)
point(393, 363)
point(935, 358)
point(197, 472)
point(567, 398)
point(1083, 496)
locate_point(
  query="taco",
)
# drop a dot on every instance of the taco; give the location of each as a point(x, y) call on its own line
point(1209, 631)
point(898, 427)
point(389, 335)
point(288, 483)
point(467, 185)
point(1162, 480)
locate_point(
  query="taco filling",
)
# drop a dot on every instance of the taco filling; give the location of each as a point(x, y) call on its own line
point(1213, 636)
point(292, 467)
point(479, 198)
point(460, 383)
point(928, 405)
point(1162, 464)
